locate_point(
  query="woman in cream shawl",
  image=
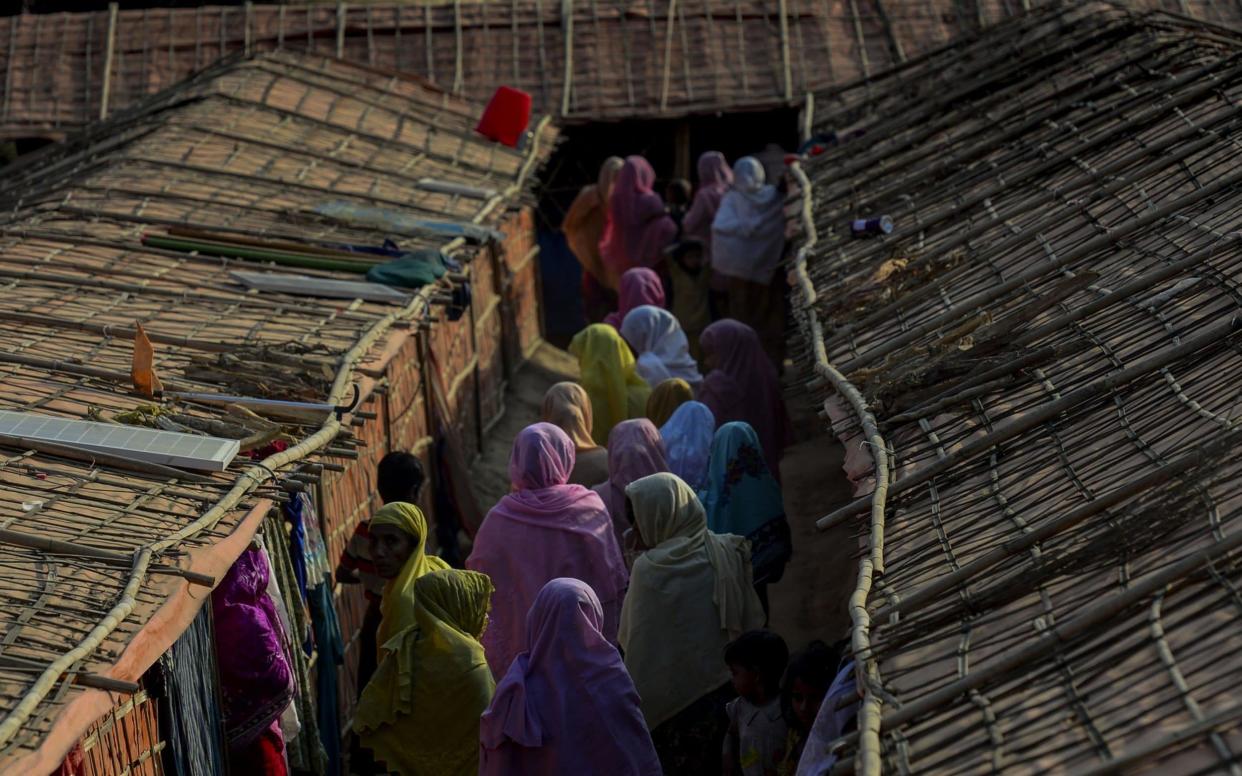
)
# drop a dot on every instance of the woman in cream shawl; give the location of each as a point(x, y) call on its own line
point(690, 593)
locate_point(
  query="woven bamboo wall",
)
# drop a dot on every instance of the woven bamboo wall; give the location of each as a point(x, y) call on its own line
point(1036, 378)
point(582, 60)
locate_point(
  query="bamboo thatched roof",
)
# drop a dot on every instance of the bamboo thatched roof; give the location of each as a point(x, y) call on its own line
point(245, 150)
point(596, 60)
point(1037, 376)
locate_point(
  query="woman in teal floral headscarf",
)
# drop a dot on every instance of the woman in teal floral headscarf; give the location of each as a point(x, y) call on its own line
point(743, 498)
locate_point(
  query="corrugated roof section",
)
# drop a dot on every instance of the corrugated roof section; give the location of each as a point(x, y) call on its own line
point(1036, 377)
point(247, 150)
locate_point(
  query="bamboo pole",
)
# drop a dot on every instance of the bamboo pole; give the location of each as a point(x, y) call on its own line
point(1146, 752)
point(872, 562)
point(1067, 630)
point(668, 54)
point(109, 50)
point(93, 681)
point(1103, 386)
point(39, 690)
point(981, 299)
point(58, 547)
point(567, 24)
point(786, 67)
point(911, 601)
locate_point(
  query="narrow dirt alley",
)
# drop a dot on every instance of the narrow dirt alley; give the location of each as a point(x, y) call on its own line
point(489, 474)
point(810, 601)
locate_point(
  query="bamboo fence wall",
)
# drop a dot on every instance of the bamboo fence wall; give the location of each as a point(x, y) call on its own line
point(580, 59)
point(1036, 377)
point(245, 150)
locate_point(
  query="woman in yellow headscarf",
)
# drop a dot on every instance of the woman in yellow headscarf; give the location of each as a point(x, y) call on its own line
point(610, 378)
point(420, 712)
point(567, 406)
point(398, 548)
point(666, 398)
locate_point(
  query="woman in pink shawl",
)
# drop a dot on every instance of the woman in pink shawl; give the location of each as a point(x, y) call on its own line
point(567, 705)
point(635, 450)
point(715, 178)
point(743, 385)
point(638, 228)
point(639, 286)
point(542, 530)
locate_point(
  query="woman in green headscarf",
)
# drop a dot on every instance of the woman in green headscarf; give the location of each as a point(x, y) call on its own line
point(610, 378)
point(398, 548)
point(420, 712)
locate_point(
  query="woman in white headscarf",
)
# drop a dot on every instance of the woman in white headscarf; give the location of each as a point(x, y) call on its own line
point(748, 242)
point(661, 346)
point(691, 593)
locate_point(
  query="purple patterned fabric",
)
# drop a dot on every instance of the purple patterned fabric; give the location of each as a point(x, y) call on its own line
point(256, 679)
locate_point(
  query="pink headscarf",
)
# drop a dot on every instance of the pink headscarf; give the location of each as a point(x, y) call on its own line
point(639, 286)
point(567, 704)
point(715, 178)
point(638, 228)
point(744, 386)
point(635, 450)
point(543, 530)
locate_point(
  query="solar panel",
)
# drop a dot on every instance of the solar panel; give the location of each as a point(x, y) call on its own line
point(304, 285)
point(167, 448)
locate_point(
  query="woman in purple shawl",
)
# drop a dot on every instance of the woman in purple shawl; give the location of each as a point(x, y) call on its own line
point(256, 677)
point(542, 530)
point(715, 178)
point(743, 385)
point(567, 705)
point(635, 450)
point(638, 228)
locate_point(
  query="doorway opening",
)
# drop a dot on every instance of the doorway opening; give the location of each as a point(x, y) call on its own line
point(673, 147)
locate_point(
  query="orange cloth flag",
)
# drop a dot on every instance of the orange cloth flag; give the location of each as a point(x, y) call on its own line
point(142, 369)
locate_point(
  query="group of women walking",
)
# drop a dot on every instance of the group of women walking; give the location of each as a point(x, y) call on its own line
point(611, 618)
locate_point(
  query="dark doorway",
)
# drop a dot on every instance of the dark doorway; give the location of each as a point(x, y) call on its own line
point(584, 148)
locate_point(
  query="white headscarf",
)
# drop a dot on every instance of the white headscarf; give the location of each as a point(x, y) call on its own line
point(748, 235)
point(690, 594)
point(688, 436)
point(661, 345)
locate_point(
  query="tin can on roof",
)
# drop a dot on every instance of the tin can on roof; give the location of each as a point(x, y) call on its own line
point(872, 227)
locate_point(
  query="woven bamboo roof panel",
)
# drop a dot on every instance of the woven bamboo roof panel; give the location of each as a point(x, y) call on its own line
point(585, 60)
point(245, 149)
point(1036, 375)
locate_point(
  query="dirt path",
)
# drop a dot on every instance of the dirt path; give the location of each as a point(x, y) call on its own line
point(490, 473)
point(810, 602)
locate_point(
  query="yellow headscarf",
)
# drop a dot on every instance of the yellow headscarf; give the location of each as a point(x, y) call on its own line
point(420, 712)
point(666, 398)
point(397, 605)
point(567, 406)
point(608, 374)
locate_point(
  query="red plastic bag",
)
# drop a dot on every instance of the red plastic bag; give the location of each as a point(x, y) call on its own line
point(506, 116)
